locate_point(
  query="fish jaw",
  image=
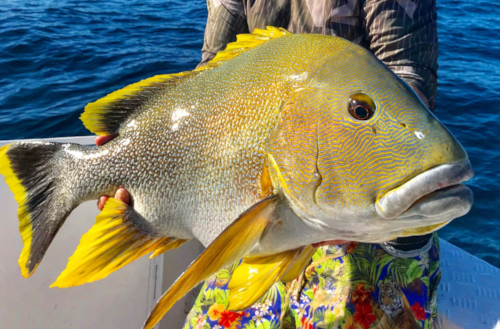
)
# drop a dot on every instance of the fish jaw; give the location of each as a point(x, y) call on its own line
point(419, 206)
point(435, 194)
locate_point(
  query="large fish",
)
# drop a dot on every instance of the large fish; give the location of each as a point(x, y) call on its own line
point(280, 142)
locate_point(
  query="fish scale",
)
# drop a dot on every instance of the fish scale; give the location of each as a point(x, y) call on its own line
point(258, 155)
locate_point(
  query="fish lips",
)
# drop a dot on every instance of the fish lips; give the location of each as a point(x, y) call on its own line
point(435, 193)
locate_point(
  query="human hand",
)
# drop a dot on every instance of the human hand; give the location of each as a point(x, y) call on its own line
point(101, 140)
point(122, 193)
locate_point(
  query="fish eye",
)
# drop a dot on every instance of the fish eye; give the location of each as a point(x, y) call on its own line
point(361, 106)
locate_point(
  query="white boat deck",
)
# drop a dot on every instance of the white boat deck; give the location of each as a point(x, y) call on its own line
point(469, 293)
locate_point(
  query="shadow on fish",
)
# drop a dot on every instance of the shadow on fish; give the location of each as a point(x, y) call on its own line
point(281, 141)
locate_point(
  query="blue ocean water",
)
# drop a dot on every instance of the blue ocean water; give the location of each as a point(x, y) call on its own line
point(58, 55)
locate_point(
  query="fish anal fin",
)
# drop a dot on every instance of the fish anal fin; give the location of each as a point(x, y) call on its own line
point(235, 242)
point(255, 275)
point(168, 245)
point(119, 236)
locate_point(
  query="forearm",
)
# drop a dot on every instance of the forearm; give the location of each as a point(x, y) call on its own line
point(226, 19)
point(403, 34)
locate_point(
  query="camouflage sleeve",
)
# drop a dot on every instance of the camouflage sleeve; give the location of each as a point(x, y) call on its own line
point(403, 34)
point(226, 19)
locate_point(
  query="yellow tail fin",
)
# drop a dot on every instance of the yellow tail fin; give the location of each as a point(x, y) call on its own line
point(31, 171)
point(21, 196)
point(116, 239)
point(235, 242)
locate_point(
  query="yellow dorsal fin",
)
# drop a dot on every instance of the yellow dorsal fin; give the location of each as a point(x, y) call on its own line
point(115, 240)
point(243, 43)
point(106, 115)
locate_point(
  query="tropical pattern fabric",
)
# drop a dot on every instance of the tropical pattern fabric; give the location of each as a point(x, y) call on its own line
point(353, 286)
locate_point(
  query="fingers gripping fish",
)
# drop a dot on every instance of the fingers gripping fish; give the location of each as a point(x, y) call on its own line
point(280, 142)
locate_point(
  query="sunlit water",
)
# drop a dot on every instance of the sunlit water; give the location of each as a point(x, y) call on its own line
point(56, 56)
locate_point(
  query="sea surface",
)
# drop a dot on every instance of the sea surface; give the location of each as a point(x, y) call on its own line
point(58, 55)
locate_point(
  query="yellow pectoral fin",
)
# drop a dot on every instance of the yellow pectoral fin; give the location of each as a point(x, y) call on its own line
point(234, 243)
point(114, 241)
point(255, 275)
point(300, 263)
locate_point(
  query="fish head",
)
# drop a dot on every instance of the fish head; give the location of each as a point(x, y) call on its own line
point(358, 154)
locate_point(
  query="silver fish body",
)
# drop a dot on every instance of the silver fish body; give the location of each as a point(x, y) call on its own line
point(303, 138)
point(192, 157)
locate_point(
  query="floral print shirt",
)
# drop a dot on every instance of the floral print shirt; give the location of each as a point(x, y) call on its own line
point(353, 286)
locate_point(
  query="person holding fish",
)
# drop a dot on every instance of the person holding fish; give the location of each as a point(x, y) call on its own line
point(274, 150)
point(353, 285)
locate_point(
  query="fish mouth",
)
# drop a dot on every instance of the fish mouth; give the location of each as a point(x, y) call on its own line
point(437, 192)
